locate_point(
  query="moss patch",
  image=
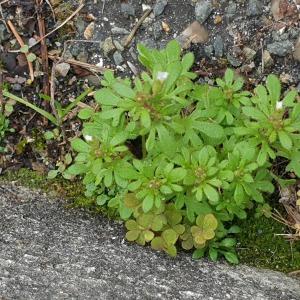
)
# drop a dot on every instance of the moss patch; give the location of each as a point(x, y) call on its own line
point(258, 244)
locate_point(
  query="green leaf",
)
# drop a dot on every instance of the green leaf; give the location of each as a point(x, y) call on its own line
point(52, 174)
point(85, 113)
point(106, 97)
point(148, 203)
point(145, 119)
point(289, 99)
point(132, 235)
point(231, 257)
point(131, 225)
point(31, 57)
point(210, 222)
point(254, 113)
point(24, 49)
point(150, 142)
point(173, 51)
point(177, 174)
point(213, 254)
point(274, 87)
point(170, 236)
point(229, 74)
point(188, 61)
point(124, 90)
point(234, 229)
point(80, 146)
point(198, 253)
point(212, 130)
point(211, 194)
point(285, 140)
point(228, 242)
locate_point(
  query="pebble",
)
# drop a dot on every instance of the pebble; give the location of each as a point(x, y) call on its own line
point(281, 48)
point(157, 30)
point(249, 53)
point(93, 80)
point(203, 9)
point(159, 7)
point(4, 35)
point(89, 31)
point(255, 8)
point(62, 69)
point(127, 9)
point(267, 59)
point(82, 56)
point(277, 36)
point(118, 45)
point(218, 46)
point(209, 50)
point(80, 25)
point(118, 58)
point(230, 11)
point(296, 53)
point(16, 87)
point(119, 31)
point(234, 61)
point(108, 46)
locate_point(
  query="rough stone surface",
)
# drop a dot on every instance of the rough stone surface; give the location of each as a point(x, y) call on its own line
point(203, 9)
point(159, 7)
point(48, 251)
point(255, 8)
point(280, 48)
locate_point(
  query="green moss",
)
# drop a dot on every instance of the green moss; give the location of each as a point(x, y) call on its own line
point(258, 244)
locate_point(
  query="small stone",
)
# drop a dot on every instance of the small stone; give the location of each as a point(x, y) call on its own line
point(93, 80)
point(127, 9)
point(118, 58)
point(234, 61)
point(267, 59)
point(89, 31)
point(80, 25)
point(280, 48)
point(255, 8)
point(296, 53)
point(249, 53)
point(82, 56)
point(194, 33)
point(159, 7)
point(118, 45)
point(16, 87)
point(4, 35)
point(157, 30)
point(119, 31)
point(230, 11)
point(108, 46)
point(278, 36)
point(218, 46)
point(209, 50)
point(203, 9)
point(62, 69)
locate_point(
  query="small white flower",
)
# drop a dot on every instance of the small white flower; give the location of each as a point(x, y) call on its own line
point(162, 76)
point(279, 105)
point(88, 138)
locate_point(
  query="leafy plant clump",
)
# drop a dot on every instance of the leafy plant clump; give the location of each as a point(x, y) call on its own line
point(204, 154)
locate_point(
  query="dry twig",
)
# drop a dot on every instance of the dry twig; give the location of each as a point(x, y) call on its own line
point(44, 50)
point(136, 27)
point(21, 43)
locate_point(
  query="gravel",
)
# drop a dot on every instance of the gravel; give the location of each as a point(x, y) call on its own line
point(280, 48)
point(203, 9)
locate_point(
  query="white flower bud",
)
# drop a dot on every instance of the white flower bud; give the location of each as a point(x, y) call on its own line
point(162, 76)
point(279, 105)
point(88, 138)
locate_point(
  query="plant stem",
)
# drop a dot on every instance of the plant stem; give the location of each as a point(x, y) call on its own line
point(144, 146)
point(42, 112)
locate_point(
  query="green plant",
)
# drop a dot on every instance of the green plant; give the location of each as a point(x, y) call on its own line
point(5, 111)
point(207, 152)
point(60, 112)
